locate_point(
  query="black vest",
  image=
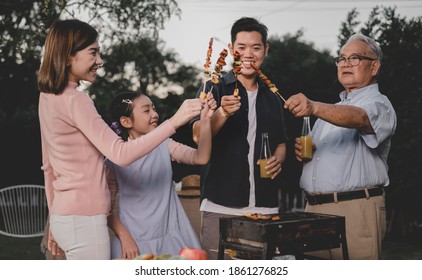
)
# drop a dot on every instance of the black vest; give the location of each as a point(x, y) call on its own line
point(225, 179)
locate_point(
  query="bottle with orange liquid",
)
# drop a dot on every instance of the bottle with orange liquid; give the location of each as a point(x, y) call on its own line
point(306, 140)
point(265, 155)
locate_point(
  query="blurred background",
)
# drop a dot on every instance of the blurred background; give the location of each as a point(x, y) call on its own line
point(147, 46)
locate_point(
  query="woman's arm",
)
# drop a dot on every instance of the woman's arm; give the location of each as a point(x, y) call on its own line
point(87, 119)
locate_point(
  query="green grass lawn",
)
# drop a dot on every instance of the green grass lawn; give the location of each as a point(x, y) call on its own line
point(403, 248)
point(29, 248)
point(12, 248)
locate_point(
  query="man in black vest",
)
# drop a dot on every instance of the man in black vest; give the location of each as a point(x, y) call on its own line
point(230, 183)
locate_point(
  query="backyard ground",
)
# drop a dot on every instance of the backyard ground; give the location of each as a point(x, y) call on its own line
point(29, 248)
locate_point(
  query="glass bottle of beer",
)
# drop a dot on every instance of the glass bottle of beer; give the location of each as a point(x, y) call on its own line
point(306, 140)
point(265, 155)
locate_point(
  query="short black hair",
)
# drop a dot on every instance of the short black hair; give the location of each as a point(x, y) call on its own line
point(249, 24)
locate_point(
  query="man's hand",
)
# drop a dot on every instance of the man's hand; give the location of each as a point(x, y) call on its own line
point(273, 167)
point(230, 104)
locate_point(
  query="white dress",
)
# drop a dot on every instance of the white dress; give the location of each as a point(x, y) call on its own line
point(149, 207)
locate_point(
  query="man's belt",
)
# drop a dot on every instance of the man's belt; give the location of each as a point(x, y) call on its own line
point(314, 199)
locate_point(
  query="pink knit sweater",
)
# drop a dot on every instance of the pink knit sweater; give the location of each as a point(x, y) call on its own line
point(74, 140)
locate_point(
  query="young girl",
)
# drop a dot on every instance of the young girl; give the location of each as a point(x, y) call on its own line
point(75, 139)
point(151, 218)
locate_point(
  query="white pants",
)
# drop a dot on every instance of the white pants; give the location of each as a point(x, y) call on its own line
point(82, 237)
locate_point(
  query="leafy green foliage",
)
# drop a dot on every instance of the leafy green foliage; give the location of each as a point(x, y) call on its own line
point(24, 24)
point(23, 27)
point(143, 66)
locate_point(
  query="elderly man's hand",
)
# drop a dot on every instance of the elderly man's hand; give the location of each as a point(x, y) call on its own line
point(299, 105)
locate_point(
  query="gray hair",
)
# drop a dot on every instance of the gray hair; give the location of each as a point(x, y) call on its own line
point(372, 44)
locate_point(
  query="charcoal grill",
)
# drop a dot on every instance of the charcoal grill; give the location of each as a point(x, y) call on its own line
point(296, 233)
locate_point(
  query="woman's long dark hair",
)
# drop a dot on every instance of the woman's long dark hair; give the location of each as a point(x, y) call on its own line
point(64, 39)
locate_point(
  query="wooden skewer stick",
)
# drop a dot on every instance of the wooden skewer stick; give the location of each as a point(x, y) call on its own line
point(203, 94)
point(282, 98)
point(268, 82)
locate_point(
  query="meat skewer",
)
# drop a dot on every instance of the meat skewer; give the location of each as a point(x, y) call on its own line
point(272, 87)
point(218, 66)
point(207, 64)
point(237, 66)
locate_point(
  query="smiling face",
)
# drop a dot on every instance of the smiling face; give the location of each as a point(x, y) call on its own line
point(251, 49)
point(85, 63)
point(364, 74)
point(144, 117)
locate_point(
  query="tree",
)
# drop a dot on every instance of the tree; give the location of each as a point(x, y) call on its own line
point(400, 79)
point(23, 27)
point(144, 66)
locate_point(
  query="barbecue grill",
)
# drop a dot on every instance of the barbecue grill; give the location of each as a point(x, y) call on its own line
point(295, 233)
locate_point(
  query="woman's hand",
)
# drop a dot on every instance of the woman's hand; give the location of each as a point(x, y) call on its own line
point(52, 245)
point(189, 109)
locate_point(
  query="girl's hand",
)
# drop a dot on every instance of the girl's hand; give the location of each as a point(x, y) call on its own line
point(129, 248)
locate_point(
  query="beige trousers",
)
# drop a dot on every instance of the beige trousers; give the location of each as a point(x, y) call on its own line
point(365, 227)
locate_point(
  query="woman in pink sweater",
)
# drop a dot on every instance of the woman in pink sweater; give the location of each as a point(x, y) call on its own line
point(75, 140)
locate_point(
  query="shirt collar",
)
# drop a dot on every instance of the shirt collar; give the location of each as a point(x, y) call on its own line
point(370, 88)
point(230, 78)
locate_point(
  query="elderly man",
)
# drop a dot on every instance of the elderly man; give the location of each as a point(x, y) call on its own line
point(352, 139)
